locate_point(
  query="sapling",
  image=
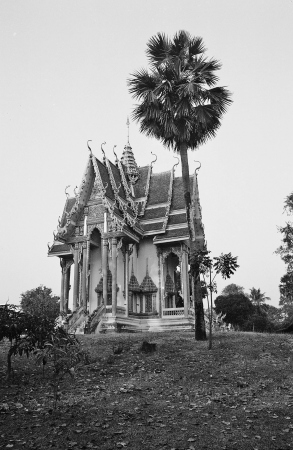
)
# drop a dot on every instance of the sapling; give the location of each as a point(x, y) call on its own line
point(226, 265)
point(65, 353)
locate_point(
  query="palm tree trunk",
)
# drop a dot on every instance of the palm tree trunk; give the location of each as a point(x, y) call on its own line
point(200, 332)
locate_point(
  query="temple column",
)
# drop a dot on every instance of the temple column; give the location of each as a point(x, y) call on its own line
point(126, 288)
point(160, 273)
point(184, 283)
point(84, 275)
point(62, 264)
point(114, 276)
point(105, 269)
point(66, 286)
point(76, 279)
point(87, 287)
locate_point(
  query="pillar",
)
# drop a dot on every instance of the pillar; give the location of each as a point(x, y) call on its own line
point(160, 272)
point(126, 280)
point(62, 264)
point(105, 269)
point(84, 275)
point(66, 287)
point(184, 283)
point(114, 276)
point(87, 288)
point(76, 280)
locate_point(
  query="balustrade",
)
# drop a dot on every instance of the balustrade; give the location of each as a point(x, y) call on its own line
point(173, 312)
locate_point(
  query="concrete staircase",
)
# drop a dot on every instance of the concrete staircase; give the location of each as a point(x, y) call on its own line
point(138, 325)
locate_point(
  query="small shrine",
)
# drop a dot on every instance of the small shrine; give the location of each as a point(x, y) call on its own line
point(123, 246)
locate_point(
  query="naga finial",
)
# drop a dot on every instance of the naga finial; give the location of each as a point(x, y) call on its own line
point(197, 167)
point(153, 162)
point(116, 160)
point(66, 193)
point(176, 163)
point(75, 193)
point(59, 221)
point(49, 246)
point(91, 153)
point(104, 156)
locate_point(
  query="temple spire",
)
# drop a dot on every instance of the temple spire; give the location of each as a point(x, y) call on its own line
point(129, 161)
point(128, 123)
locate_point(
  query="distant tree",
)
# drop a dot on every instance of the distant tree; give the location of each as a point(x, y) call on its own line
point(232, 289)
point(258, 298)
point(40, 302)
point(180, 104)
point(274, 315)
point(286, 253)
point(286, 296)
point(237, 307)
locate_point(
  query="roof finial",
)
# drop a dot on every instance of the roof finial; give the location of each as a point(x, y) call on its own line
point(128, 123)
point(147, 267)
point(198, 167)
point(116, 160)
point(154, 159)
point(89, 140)
point(176, 163)
point(104, 156)
point(67, 195)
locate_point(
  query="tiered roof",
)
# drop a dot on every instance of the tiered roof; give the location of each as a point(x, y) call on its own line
point(139, 203)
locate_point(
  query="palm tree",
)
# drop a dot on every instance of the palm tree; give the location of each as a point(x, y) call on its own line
point(180, 105)
point(258, 298)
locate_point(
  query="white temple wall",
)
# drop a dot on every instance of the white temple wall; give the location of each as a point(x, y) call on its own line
point(120, 279)
point(95, 275)
point(147, 251)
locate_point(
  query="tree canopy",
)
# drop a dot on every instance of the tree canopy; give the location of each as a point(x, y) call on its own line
point(237, 307)
point(40, 302)
point(179, 102)
point(232, 288)
point(286, 253)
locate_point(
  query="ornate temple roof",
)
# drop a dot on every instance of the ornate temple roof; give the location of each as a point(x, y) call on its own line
point(148, 286)
point(138, 203)
point(133, 284)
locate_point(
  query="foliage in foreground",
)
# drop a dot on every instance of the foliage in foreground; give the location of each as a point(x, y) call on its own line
point(65, 353)
point(40, 302)
point(28, 333)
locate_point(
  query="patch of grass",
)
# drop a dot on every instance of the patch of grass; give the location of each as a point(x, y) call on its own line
point(181, 396)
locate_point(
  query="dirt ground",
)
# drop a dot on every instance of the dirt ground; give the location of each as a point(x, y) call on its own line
point(239, 395)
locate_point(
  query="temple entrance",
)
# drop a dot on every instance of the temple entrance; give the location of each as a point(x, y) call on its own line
point(173, 279)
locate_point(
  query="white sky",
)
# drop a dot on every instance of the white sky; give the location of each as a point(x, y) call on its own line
point(64, 66)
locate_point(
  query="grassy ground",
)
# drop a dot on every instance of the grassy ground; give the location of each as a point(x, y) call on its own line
point(238, 396)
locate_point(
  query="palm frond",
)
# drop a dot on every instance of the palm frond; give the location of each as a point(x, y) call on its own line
point(141, 84)
point(196, 47)
point(158, 49)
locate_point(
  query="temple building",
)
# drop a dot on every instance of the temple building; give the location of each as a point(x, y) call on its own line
point(123, 247)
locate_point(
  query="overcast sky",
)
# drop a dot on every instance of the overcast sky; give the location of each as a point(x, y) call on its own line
point(64, 66)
